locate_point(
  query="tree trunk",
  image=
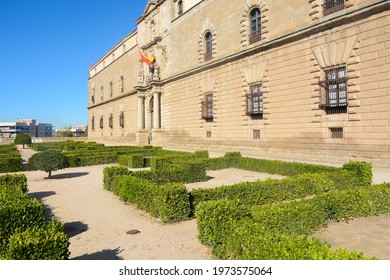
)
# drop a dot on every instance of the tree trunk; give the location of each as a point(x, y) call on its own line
point(49, 175)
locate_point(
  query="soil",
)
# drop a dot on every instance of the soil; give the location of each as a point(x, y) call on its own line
point(101, 227)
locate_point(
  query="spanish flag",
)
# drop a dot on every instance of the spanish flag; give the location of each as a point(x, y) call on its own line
point(148, 60)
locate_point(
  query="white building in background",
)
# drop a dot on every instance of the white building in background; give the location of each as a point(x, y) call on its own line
point(31, 127)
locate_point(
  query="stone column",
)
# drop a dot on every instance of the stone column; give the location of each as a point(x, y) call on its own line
point(156, 112)
point(141, 112)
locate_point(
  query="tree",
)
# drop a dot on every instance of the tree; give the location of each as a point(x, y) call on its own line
point(22, 139)
point(48, 161)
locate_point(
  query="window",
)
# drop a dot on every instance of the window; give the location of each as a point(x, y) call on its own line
point(102, 91)
point(101, 122)
point(93, 99)
point(335, 85)
point(180, 7)
point(331, 6)
point(209, 46)
point(111, 89)
point(256, 134)
point(122, 81)
point(208, 134)
point(255, 25)
point(93, 123)
point(336, 132)
point(111, 121)
point(254, 104)
point(122, 119)
point(207, 107)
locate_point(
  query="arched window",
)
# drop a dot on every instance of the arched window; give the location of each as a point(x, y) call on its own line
point(209, 46)
point(255, 25)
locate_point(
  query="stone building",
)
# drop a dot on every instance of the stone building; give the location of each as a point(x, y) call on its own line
point(297, 79)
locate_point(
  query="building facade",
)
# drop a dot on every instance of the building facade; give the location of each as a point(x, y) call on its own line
point(299, 79)
point(31, 127)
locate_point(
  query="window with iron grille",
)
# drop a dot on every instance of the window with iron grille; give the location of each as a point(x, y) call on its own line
point(93, 99)
point(180, 7)
point(336, 132)
point(209, 46)
point(101, 122)
point(332, 6)
point(335, 86)
point(254, 101)
point(256, 134)
point(208, 134)
point(111, 121)
point(111, 89)
point(207, 107)
point(93, 123)
point(122, 84)
point(255, 25)
point(122, 119)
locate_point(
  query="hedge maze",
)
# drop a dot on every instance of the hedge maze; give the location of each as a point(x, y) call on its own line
point(270, 219)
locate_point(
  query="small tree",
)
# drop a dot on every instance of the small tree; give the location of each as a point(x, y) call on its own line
point(48, 161)
point(23, 139)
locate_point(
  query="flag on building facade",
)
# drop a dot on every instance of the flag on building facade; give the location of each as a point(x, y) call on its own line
point(148, 60)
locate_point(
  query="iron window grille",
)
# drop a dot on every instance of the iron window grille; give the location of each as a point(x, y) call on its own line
point(111, 121)
point(336, 132)
point(207, 107)
point(101, 122)
point(122, 120)
point(209, 46)
point(122, 84)
point(335, 86)
point(111, 89)
point(332, 6)
point(180, 7)
point(254, 101)
point(255, 25)
point(93, 123)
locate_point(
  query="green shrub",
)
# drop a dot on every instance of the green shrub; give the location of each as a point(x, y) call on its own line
point(73, 159)
point(48, 161)
point(249, 241)
point(13, 183)
point(168, 202)
point(132, 161)
point(23, 139)
point(175, 173)
point(277, 190)
point(39, 243)
point(111, 173)
point(99, 159)
point(201, 154)
point(217, 220)
point(11, 164)
point(16, 215)
point(362, 170)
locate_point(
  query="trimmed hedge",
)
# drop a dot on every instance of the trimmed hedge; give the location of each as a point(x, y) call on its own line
point(132, 161)
point(16, 215)
point(218, 220)
point(48, 242)
point(277, 190)
point(169, 202)
point(11, 164)
point(175, 173)
point(13, 183)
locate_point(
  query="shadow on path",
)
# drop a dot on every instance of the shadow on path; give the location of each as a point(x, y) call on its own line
point(69, 175)
point(75, 228)
point(109, 254)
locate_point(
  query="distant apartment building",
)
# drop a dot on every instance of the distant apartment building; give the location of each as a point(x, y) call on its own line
point(31, 127)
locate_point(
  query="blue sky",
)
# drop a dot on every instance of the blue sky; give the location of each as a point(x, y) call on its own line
point(46, 49)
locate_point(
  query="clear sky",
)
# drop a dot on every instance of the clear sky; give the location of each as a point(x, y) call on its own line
point(46, 48)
